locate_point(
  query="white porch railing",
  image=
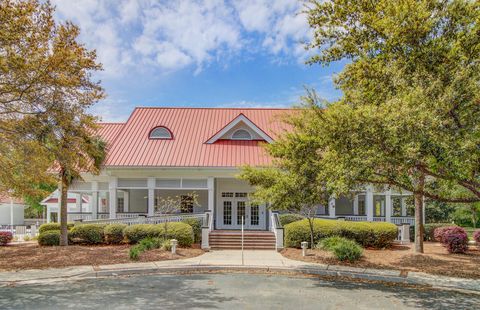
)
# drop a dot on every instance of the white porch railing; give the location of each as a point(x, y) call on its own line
point(277, 229)
point(207, 227)
point(141, 219)
point(399, 220)
point(356, 218)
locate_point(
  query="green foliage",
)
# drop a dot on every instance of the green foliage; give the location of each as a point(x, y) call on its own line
point(87, 233)
point(439, 212)
point(329, 243)
point(53, 226)
point(342, 248)
point(166, 245)
point(114, 233)
point(347, 250)
point(34, 209)
point(289, 218)
point(367, 234)
point(197, 228)
point(49, 238)
point(467, 215)
point(176, 230)
point(146, 244)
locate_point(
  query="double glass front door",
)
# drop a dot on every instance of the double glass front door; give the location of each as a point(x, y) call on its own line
point(234, 210)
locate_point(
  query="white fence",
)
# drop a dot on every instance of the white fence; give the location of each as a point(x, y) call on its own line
point(21, 231)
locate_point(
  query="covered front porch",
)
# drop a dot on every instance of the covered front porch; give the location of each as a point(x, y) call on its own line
point(372, 205)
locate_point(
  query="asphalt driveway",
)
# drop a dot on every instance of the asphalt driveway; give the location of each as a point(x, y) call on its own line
point(227, 291)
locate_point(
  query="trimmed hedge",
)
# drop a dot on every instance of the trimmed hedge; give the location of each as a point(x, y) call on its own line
point(367, 234)
point(53, 226)
point(49, 238)
point(113, 233)
point(88, 233)
point(288, 218)
point(175, 230)
point(5, 237)
point(197, 228)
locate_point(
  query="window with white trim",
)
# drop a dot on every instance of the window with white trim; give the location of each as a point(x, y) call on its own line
point(241, 134)
point(161, 133)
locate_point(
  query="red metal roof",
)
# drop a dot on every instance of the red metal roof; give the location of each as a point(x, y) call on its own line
point(69, 200)
point(109, 131)
point(5, 198)
point(191, 128)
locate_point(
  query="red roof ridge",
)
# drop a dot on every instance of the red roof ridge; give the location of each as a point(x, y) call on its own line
point(111, 123)
point(212, 108)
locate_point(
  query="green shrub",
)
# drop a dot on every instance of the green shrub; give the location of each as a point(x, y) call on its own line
point(196, 224)
point(49, 238)
point(53, 226)
point(347, 250)
point(145, 244)
point(114, 233)
point(289, 218)
point(175, 230)
point(327, 244)
point(367, 234)
point(180, 231)
point(88, 233)
point(167, 245)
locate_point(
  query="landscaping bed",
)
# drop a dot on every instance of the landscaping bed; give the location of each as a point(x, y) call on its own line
point(30, 255)
point(436, 259)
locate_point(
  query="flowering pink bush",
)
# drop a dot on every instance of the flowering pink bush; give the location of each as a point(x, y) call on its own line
point(441, 232)
point(456, 242)
point(5, 237)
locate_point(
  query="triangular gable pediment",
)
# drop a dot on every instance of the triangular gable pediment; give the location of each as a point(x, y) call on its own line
point(241, 122)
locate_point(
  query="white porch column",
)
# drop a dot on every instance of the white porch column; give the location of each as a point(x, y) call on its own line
point(151, 196)
point(331, 207)
point(211, 193)
point(369, 203)
point(112, 186)
point(78, 202)
point(388, 206)
point(94, 200)
point(49, 215)
point(403, 206)
point(355, 205)
point(126, 201)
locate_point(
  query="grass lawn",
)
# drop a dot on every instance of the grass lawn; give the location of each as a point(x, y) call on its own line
point(30, 255)
point(435, 260)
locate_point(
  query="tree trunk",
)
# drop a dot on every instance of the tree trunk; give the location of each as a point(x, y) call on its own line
point(419, 229)
point(310, 222)
point(63, 209)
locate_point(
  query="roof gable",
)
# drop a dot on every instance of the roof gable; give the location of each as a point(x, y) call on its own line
point(223, 134)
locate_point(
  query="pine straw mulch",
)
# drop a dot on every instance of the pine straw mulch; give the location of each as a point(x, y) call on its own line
point(30, 255)
point(436, 260)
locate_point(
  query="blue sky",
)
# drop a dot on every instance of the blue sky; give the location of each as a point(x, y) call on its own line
point(202, 53)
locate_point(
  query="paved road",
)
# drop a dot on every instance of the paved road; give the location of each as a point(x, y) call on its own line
point(234, 291)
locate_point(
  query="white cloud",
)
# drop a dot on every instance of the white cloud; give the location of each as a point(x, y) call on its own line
point(172, 35)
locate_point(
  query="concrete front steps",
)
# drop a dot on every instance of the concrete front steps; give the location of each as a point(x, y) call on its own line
point(232, 240)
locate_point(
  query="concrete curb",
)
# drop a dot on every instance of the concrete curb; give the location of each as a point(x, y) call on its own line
point(389, 276)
